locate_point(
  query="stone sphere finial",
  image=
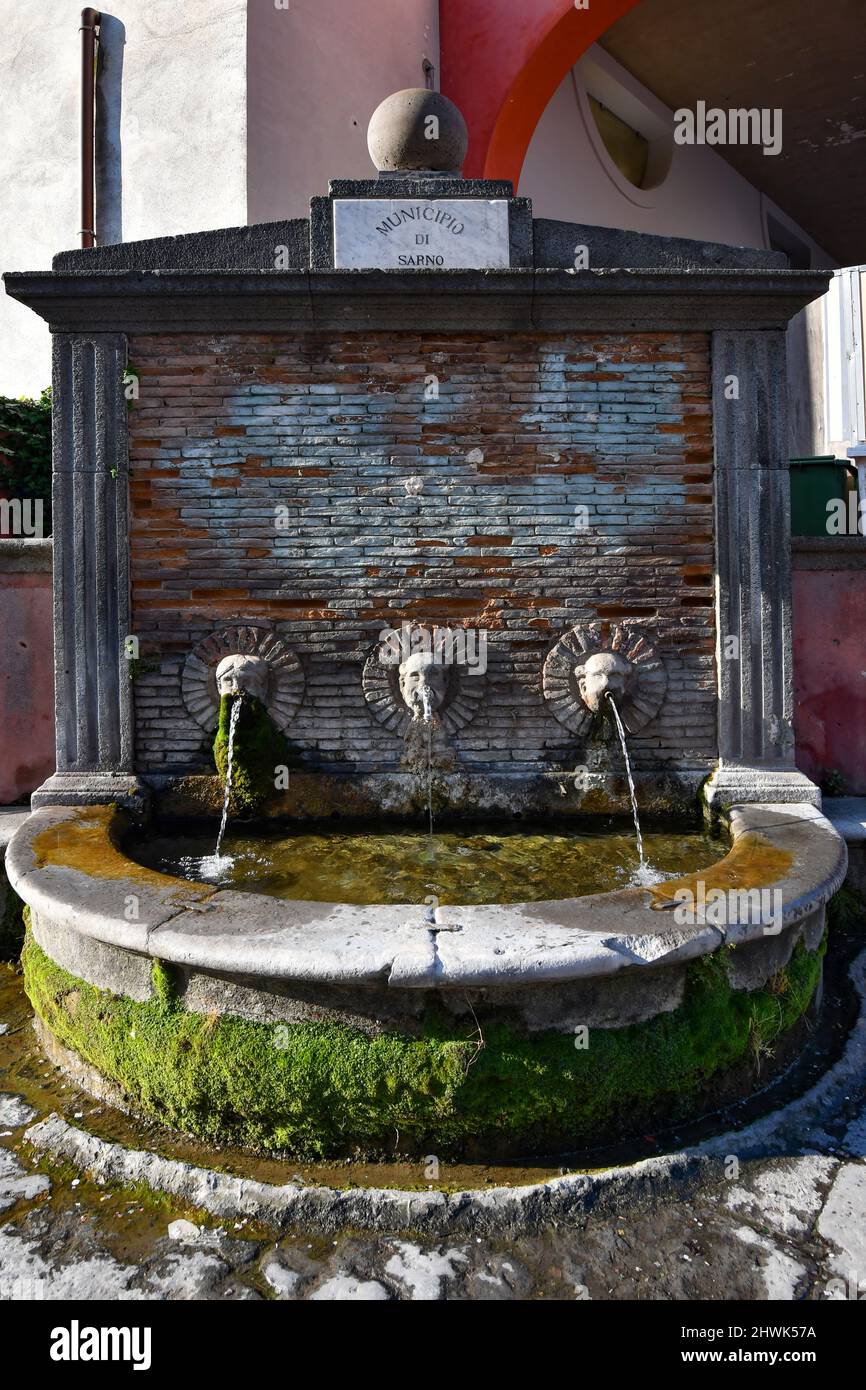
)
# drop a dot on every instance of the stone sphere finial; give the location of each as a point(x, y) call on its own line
point(417, 130)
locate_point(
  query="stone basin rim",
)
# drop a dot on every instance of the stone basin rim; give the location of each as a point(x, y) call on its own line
point(253, 935)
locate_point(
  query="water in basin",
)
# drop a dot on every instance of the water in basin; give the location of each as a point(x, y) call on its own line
point(479, 863)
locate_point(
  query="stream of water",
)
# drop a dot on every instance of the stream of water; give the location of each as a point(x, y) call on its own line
point(631, 788)
point(427, 717)
point(233, 721)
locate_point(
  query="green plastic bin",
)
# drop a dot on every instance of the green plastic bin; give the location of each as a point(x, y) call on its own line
point(814, 483)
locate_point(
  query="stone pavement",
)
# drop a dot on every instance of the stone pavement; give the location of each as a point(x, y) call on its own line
point(791, 1228)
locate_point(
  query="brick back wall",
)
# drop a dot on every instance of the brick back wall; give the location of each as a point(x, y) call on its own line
point(459, 510)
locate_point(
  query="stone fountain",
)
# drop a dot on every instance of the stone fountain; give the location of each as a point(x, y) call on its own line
point(277, 449)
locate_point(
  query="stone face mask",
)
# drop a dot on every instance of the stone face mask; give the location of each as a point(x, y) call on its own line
point(605, 673)
point(243, 675)
point(422, 685)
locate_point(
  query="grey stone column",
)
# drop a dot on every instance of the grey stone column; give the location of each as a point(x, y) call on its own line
point(753, 573)
point(90, 503)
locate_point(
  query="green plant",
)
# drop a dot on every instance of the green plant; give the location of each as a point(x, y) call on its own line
point(846, 909)
point(833, 783)
point(25, 450)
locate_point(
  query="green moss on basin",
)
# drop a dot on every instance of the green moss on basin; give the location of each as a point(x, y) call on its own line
point(259, 749)
point(325, 1089)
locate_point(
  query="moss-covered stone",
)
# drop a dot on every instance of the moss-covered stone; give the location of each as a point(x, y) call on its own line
point(846, 910)
point(320, 1089)
point(259, 749)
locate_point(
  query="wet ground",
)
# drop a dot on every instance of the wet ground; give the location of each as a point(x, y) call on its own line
point(789, 1227)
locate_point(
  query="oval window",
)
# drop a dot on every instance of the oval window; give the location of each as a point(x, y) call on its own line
point(628, 149)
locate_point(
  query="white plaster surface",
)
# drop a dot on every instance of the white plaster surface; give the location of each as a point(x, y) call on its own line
point(174, 98)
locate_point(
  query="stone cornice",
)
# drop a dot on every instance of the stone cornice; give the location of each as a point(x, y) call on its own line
point(640, 300)
point(829, 552)
point(25, 555)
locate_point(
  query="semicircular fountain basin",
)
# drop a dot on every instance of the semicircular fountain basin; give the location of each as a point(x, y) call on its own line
point(489, 1030)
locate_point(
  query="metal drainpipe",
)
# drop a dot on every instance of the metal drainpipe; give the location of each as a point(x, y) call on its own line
point(90, 20)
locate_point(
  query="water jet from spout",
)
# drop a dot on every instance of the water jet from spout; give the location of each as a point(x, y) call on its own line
point(631, 787)
point(427, 719)
point(227, 795)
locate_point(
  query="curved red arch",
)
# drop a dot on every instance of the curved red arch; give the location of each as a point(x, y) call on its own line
point(502, 61)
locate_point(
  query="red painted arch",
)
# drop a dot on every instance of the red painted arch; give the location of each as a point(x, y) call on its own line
point(501, 62)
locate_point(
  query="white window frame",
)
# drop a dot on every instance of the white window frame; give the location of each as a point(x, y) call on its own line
point(845, 387)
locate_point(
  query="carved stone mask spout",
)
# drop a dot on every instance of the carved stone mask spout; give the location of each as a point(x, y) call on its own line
point(603, 674)
point(247, 675)
point(423, 683)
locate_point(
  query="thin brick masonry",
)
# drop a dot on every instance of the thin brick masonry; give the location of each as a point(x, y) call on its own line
point(466, 508)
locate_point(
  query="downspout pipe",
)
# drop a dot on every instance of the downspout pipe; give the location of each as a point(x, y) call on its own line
point(90, 20)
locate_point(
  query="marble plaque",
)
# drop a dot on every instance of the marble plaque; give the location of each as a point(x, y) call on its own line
point(421, 234)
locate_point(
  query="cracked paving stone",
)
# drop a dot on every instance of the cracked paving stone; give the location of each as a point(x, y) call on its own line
point(15, 1112)
point(188, 1276)
point(346, 1288)
point(423, 1273)
point(60, 1254)
point(16, 1184)
point(785, 1196)
point(843, 1221)
point(782, 1275)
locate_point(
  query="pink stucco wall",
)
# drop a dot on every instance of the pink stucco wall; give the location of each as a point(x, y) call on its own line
point(830, 673)
point(26, 682)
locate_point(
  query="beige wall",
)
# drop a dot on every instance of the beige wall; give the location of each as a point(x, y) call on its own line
point(317, 71)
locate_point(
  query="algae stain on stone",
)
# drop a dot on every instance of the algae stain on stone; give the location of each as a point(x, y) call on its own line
point(753, 862)
point(88, 842)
